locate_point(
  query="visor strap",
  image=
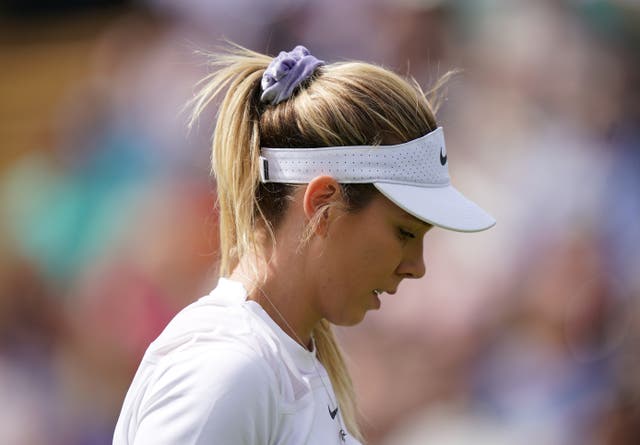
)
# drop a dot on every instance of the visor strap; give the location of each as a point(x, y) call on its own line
point(422, 162)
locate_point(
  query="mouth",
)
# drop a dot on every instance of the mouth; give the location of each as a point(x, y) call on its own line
point(379, 292)
point(376, 298)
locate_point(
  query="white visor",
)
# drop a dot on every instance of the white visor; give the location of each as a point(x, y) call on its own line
point(413, 175)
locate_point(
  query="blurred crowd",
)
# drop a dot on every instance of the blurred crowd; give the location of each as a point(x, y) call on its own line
point(526, 334)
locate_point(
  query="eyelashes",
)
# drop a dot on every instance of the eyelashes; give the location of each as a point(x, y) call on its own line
point(405, 234)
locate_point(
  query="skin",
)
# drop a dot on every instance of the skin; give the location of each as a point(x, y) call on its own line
point(334, 274)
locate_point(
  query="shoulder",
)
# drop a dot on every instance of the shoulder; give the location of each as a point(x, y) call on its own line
point(211, 391)
point(209, 371)
point(213, 372)
point(217, 321)
point(211, 345)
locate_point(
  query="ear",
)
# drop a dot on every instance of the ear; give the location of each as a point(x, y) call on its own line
point(321, 191)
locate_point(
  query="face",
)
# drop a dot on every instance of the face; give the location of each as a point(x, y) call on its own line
point(372, 249)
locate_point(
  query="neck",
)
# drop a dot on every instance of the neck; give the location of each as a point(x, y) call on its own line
point(278, 286)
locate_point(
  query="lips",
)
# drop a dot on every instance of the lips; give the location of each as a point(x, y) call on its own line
point(376, 299)
point(379, 292)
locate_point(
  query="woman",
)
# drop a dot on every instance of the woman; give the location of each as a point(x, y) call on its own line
point(328, 178)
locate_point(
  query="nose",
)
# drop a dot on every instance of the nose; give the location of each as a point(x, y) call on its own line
point(412, 264)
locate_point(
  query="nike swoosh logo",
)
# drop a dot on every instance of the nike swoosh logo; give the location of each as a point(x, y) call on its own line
point(443, 159)
point(332, 413)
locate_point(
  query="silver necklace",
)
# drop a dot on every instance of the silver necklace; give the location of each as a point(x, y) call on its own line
point(333, 413)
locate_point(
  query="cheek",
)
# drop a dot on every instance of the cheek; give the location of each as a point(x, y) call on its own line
point(370, 258)
point(347, 268)
point(360, 252)
point(382, 250)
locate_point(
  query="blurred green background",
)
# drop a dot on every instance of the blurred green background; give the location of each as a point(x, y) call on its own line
point(526, 334)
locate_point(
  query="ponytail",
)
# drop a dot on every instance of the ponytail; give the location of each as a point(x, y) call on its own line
point(236, 148)
point(330, 355)
point(235, 164)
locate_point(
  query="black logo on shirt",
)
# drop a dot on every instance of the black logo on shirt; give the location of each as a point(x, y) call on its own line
point(332, 413)
point(343, 435)
point(443, 159)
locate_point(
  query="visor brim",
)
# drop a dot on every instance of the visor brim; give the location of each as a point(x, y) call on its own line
point(444, 206)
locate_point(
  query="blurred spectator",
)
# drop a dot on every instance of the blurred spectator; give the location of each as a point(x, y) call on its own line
point(525, 334)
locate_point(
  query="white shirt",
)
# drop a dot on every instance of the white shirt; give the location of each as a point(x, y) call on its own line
point(223, 372)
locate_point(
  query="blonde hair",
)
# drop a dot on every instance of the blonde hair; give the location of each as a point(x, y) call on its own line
point(347, 103)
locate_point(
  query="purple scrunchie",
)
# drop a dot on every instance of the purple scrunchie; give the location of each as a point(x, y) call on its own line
point(285, 73)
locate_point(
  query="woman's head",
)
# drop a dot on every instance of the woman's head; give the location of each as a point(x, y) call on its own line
point(373, 243)
point(341, 104)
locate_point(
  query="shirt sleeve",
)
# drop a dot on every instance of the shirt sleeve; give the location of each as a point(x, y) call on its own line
point(220, 396)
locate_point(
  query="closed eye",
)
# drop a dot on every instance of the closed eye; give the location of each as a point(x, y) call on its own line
point(405, 234)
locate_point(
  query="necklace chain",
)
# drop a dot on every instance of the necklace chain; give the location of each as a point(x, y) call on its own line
point(313, 361)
